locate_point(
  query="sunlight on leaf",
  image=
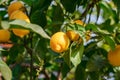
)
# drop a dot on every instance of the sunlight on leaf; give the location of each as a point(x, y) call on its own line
point(33, 27)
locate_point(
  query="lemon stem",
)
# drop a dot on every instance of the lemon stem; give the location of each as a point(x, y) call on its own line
point(29, 49)
point(31, 55)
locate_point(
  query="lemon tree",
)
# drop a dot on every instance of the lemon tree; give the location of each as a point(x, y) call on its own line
point(59, 39)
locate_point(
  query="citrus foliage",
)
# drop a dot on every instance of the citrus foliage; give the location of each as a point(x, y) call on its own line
point(84, 32)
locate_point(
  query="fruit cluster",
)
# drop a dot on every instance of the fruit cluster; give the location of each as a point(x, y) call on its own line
point(16, 10)
point(60, 41)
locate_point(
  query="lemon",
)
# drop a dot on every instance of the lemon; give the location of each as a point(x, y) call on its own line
point(21, 16)
point(4, 35)
point(114, 56)
point(80, 22)
point(73, 36)
point(15, 6)
point(59, 42)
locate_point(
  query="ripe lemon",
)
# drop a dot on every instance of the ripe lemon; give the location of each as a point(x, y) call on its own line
point(20, 32)
point(59, 42)
point(73, 36)
point(19, 15)
point(80, 22)
point(114, 56)
point(15, 6)
point(22, 16)
point(4, 35)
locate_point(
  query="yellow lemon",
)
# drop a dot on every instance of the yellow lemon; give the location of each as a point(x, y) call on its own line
point(22, 16)
point(59, 42)
point(20, 32)
point(15, 6)
point(79, 22)
point(4, 35)
point(19, 15)
point(114, 56)
point(73, 36)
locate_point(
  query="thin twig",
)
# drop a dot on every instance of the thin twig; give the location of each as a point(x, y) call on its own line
point(46, 74)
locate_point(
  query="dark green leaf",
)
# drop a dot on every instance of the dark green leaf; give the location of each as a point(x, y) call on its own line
point(117, 3)
point(57, 14)
point(41, 5)
point(5, 70)
point(38, 17)
point(69, 5)
point(41, 51)
point(80, 73)
point(92, 27)
point(106, 26)
point(3, 13)
point(65, 69)
point(66, 57)
point(53, 77)
point(15, 52)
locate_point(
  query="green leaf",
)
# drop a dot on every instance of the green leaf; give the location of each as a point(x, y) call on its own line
point(5, 24)
point(92, 27)
point(76, 54)
point(106, 26)
point(57, 14)
point(38, 17)
point(33, 27)
point(106, 10)
point(66, 57)
point(110, 42)
point(3, 13)
point(80, 73)
point(41, 5)
point(69, 5)
point(41, 51)
point(5, 70)
point(15, 52)
point(117, 3)
point(65, 69)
